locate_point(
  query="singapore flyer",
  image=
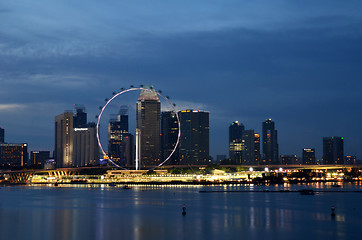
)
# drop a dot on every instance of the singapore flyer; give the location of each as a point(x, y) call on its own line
point(144, 91)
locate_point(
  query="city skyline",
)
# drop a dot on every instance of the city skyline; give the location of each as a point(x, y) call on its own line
point(298, 64)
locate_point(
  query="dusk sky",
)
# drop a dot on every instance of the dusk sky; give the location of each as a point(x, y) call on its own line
point(297, 62)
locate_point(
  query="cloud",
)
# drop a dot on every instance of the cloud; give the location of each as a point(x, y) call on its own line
point(11, 107)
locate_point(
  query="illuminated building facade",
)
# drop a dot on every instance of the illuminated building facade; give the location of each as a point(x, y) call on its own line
point(350, 160)
point(308, 156)
point(85, 146)
point(290, 160)
point(2, 135)
point(235, 142)
point(250, 148)
point(75, 146)
point(169, 135)
point(270, 143)
point(194, 141)
point(257, 148)
point(333, 150)
point(120, 141)
point(13, 154)
point(148, 128)
point(38, 158)
point(64, 135)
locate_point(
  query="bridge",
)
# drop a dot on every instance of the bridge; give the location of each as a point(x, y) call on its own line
point(23, 176)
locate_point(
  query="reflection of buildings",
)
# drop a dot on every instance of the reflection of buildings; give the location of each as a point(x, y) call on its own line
point(120, 141)
point(270, 143)
point(194, 141)
point(75, 141)
point(333, 150)
point(308, 156)
point(148, 128)
point(13, 154)
point(235, 142)
point(39, 157)
point(169, 135)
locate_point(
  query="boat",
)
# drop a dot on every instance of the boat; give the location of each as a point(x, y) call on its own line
point(336, 185)
point(112, 184)
point(306, 192)
point(126, 187)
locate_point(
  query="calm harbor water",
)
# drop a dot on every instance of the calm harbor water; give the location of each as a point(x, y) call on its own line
point(154, 212)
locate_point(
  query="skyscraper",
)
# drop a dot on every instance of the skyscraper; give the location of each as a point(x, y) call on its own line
point(169, 135)
point(257, 148)
point(120, 141)
point(2, 135)
point(80, 117)
point(75, 146)
point(308, 156)
point(251, 148)
point(333, 152)
point(63, 150)
point(270, 143)
point(194, 142)
point(85, 146)
point(235, 142)
point(148, 128)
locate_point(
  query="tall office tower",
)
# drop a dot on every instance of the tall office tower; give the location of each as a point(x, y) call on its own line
point(80, 117)
point(148, 128)
point(235, 142)
point(248, 154)
point(38, 158)
point(270, 143)
point(333, 150)
point(169, 135)
point(13, 154)
point(2, 135)
point(63, 149)
point(194, 142)
point(308, 156)
point(85, 146)
point(120, 141)
point(257, 148)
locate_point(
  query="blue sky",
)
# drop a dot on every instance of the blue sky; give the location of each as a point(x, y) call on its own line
point(297, 62)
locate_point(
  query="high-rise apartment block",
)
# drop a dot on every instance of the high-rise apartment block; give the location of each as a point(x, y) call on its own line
point(308, 156)
point(270, 143)
point(235, 142)
point(194, 142)
point(333, 150)
point(148, 132)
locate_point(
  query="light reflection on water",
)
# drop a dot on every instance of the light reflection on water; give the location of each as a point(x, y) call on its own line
point(154, 212)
